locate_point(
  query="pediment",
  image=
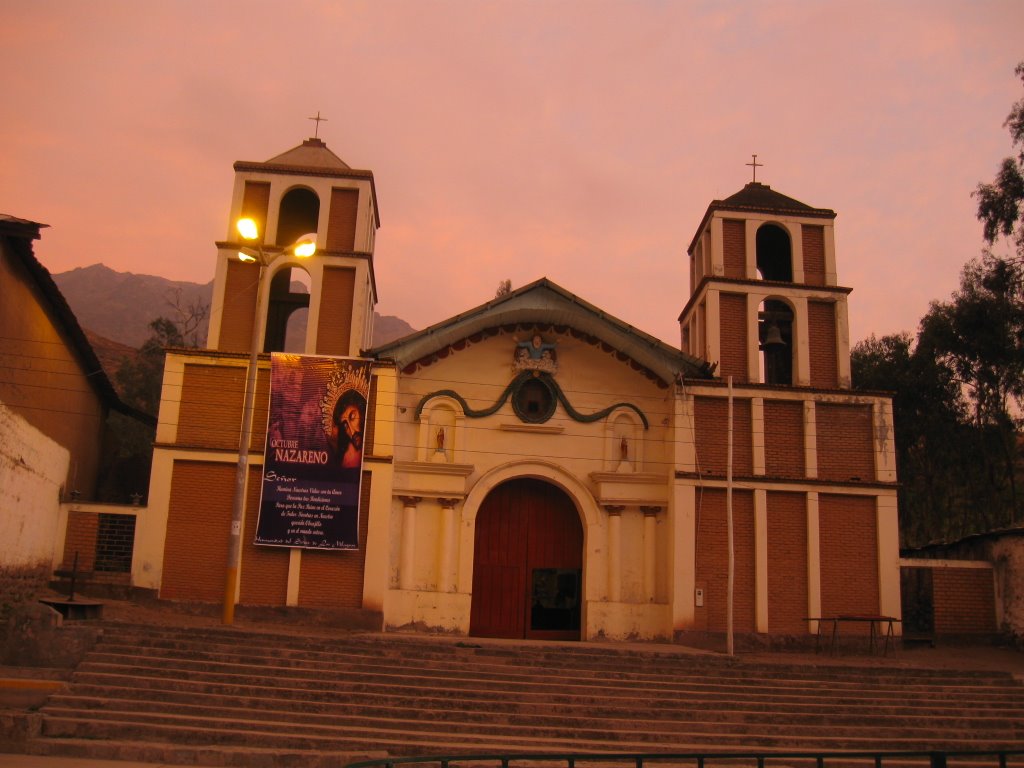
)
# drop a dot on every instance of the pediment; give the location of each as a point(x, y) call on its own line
point(543, 307)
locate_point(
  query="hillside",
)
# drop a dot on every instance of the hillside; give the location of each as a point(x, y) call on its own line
point(119, 306)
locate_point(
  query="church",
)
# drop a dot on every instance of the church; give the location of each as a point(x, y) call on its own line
point(534, 467)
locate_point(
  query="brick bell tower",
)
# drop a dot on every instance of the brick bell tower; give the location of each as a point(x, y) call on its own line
point(764, 300)
point(319, 305)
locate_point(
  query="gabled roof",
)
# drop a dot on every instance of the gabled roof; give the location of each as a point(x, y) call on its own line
point(312, 153)
point(18, 235)
point(543, 303)
point(760, 198)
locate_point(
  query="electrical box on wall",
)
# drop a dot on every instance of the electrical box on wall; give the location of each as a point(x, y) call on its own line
point(698, 597)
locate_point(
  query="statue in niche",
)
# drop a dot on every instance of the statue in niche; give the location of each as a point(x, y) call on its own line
point(439, 452)
point(624, 463)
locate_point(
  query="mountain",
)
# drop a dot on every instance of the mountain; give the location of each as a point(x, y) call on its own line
point(119, 306)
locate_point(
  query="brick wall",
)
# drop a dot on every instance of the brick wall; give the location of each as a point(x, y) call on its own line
point(964, 600)
point(734, 241)
point(821, 338)
point(849, 558)
point(713, 560)
point(334, 579)
point(341, 221)
point(845, 442)
point(733, 309)
point(81, 538)
point(255, 203)
point(711, 418)
point(334, 328)
point(814, 254)
point(211, 407)
point(199, 516)
point(784, 438)
point(239, 307)
point(787, 563)
point(264, 576)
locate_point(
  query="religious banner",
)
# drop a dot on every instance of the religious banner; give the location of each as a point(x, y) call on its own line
point(314, 455)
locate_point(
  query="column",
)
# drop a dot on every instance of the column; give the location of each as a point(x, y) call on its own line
point(813, 560)
point(408, 550)
point(650, 551)
point(761, 564)
point(446, 580)
point(614, 553)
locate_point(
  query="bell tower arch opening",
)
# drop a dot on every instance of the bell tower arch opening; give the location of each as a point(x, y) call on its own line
point(287, 311)
point(299, 214)
point(775, 337)
point(774, 254)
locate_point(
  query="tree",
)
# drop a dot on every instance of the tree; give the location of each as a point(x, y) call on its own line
point(139, 379)
point(927, 412)
point(128, 453)
point(1000, 203)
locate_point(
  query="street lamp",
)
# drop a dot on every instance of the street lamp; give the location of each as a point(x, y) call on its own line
point(304, 247)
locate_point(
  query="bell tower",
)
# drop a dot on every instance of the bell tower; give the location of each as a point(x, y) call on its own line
point(319, 305)
point(765, 305)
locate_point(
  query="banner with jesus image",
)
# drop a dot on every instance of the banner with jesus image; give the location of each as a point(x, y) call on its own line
point(314, 455)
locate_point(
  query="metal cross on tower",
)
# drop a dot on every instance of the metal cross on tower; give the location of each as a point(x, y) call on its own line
point(754, 164)
point(318, 120)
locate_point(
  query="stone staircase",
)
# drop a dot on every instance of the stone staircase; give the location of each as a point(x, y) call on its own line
point(223, 696)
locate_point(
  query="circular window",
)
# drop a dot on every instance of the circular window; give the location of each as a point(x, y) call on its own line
point(534, 401)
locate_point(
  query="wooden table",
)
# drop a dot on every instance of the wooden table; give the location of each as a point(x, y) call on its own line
point(875, 622)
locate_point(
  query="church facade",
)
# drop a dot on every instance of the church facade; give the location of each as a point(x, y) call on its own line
point(534, 467)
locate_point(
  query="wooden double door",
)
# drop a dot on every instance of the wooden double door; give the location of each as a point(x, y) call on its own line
point(527, 564)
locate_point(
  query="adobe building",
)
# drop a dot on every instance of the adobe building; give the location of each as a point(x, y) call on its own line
point(55, 432)
point(534, 467)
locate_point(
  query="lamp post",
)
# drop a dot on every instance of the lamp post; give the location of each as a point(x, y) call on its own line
point(304, 247)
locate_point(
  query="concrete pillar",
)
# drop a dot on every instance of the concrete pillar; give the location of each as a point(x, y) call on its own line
point(408, 550)
point(761, 560)
point(813, 560)
point(650, 551)
point(446, 577)
point(614, 553)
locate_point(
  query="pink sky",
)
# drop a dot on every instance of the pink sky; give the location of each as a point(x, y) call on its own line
point(517, 139)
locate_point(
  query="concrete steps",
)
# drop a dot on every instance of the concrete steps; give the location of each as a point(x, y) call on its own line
point(209, 696)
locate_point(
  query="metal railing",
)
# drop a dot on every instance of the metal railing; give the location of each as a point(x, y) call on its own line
point(924, 759)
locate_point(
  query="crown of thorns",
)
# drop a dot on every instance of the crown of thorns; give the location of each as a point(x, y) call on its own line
point(341, 380)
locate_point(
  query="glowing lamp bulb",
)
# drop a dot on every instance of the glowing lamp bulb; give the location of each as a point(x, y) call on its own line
point(247, 258)
point(305, 249)
point(247, 229)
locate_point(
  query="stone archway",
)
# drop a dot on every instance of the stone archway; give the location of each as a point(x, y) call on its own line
point(527, 564)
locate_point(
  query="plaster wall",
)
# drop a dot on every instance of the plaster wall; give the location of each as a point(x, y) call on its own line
point(32, 469)
point(1007, 557)
point(584, 459)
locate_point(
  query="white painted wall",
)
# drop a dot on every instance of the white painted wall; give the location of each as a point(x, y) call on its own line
point(32, 468)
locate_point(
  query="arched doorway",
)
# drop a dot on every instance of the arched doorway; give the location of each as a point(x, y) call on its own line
point(527, 563)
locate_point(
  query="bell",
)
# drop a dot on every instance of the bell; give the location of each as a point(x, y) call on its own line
point(773, 337)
